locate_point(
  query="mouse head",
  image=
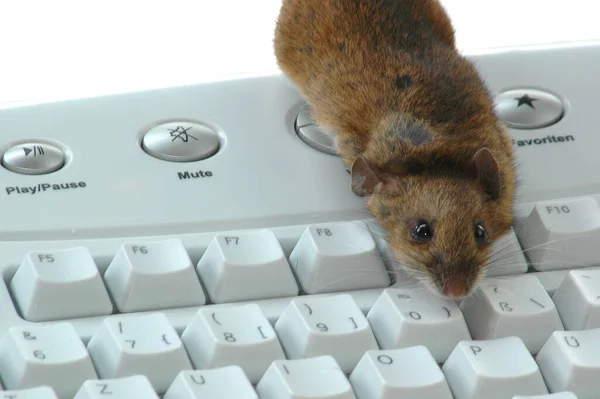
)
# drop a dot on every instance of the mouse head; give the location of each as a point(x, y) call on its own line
point(441, 217)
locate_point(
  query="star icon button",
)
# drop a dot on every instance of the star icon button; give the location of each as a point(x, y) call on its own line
point(525, 99)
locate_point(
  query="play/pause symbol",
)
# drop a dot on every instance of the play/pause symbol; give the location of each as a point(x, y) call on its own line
point(36, 150)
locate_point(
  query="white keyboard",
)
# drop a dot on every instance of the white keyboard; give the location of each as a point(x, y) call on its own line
point(190, 243)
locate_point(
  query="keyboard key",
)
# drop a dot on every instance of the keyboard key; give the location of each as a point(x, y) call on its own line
point(562, 234)
point(399, 373)
point(337, 257)
point(136, 386)
point(58, 285)
point(577, 299)
point(43, 392)
point(493, 369)
point(237, 335)
point(561, 395)
point(570, 361)
point(51, 355)
point(507, 257)
point(244, 266)
point(334, 325)
point(516, 306)
point(152, 276)
point(139, 344)
point(225, 382)
point(401, 318)
point(315, 378)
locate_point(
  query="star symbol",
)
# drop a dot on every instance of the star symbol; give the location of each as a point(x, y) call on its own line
point(525, 99)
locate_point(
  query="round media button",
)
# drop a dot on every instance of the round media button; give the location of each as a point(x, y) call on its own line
point(528, 108)
point(309, 132)
point(33, 158)
point(181, 141)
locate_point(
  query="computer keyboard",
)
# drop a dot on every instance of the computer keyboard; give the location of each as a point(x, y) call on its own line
point(204, 242)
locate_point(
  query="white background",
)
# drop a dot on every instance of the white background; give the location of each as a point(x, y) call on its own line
point(64, 49)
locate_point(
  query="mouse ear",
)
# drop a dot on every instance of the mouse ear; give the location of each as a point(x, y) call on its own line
point(488, 172)
point(364, 179)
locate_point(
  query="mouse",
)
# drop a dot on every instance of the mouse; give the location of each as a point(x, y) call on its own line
point(414, 123)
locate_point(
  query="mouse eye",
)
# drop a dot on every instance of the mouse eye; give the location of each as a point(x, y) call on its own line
point(480, 233)
point(422, 232)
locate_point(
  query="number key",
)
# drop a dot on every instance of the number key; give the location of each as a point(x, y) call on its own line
point(51, 355)
point(402, 318)
point(139, 344)
point(332, 325)
point(232, 335)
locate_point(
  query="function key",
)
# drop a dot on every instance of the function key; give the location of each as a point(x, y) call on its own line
point(153, 275)
point(181, 141)
point(243, 267)
point(33, 158)
point(528, 108)
point(60, 284)
point(562, 234)
point(340, 256)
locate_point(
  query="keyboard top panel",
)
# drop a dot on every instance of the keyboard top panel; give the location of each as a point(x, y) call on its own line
point(262, 175)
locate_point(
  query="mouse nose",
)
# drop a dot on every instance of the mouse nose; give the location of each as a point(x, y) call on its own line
point(454, 287)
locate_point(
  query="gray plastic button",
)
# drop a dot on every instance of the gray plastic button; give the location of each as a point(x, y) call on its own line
point(314, 137)
point(309, 132)
point(304, 117)
point(33, 158)
point(181, 141)
point(528, 108)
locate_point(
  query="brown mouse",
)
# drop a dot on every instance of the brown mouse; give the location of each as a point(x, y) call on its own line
point(414, 122)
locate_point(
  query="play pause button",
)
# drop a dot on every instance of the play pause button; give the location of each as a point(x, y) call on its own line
point(33, 158)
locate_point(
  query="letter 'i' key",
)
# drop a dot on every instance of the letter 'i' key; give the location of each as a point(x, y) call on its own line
point(132, 387)
point(225, 382)
point(316, 377)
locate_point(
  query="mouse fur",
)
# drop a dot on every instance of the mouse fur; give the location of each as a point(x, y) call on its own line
point(413, 121)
